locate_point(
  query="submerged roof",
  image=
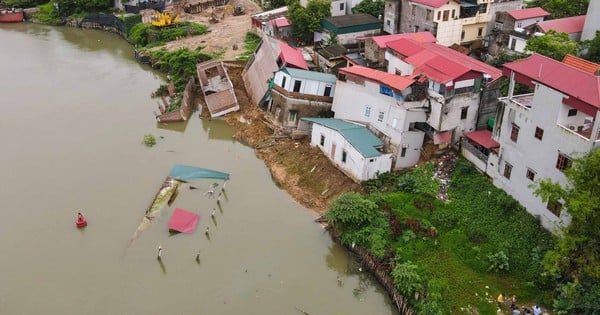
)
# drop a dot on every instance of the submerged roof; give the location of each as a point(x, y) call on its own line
point(183, 221)
point(438, 62)
point(565, 78)
point(292, 56)
point(420, 37)
point(361, 138)
point(394, 81)
point(483, 138)
point(185, 172)
point(527, 13)
point(572, 24)
point(310, 75)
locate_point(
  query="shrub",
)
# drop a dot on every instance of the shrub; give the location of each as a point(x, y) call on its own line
point(149, 140)
point(407, 280)
point(498, 262)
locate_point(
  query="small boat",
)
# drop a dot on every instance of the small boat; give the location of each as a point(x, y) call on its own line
point(11, 15)
point(81, 222)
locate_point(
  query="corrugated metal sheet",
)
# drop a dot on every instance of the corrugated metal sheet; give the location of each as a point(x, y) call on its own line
point(363, 140)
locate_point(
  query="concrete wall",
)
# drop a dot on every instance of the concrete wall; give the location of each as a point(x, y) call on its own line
point(356, 166)
point(520, 43)
point(310, 87)
point(501, 6)
point(281, 106)
point(260, 68)
point(391, 16)
point(349, 38)
point(591, 25)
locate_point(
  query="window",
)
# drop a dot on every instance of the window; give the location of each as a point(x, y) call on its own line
point(385, 90)
point(539, 133)
point(519, 24)
point(341, 6)
point(292, 115)
point(453, 13)
point(283, 82)
point(322, 142)
point(403, 151)
point(463, 112)
point(514, 133)
point(513, 43)
point(572, 112)
point(297, 85)
point(428, 15)
point(413, 9)
point(446, 13)
point(563, 161)
point(416, 28)
point(483, 8)
point(507, 170)
point(498, 25)
point(480, 31)
point(367, 111)
point(380, 117)
point(530, 174)
point(462, 35)
point(439, 15)
point(554, 207)
point(388, 22)
point(344, 154)
point(327, 90)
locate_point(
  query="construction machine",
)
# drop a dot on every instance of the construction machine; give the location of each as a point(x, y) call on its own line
point(168, 18)
point(233, 10)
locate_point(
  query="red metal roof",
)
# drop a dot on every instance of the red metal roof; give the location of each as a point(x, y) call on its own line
point(527, 13)
point(442, 137)
point(573, 24)
point(183, 221)
point(578, 84)
point(431, 3)
point(438, 62)
point(292, 56)
point(582, 64)
point(281, 22)
point(394, 81)
point(483, 138)
point(420, 37)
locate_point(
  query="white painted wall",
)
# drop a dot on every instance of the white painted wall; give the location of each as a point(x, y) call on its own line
point(520, 43)
point(526, 22)
point(530, 152)
point(349, 38)
point(311, 87)
point(335, 7)
point(396, 64)
point(355, 166)
point(449, 32)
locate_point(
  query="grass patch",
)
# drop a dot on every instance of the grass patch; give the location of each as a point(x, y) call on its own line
point(47, 14)
point(148, 36)
point(251, 42)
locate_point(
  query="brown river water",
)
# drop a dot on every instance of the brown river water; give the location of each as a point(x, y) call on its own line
point(74, 109)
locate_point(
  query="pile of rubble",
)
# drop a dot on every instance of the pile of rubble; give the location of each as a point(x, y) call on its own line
point(443, 172)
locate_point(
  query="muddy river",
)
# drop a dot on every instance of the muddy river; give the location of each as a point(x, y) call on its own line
point(75, 107)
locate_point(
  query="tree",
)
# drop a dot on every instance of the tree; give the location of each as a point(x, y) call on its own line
point(273, 4)
point(575, 261)
point(372, 7)
point(69, 7)
point(561, 8)
point(593, 48)
point(552, 44)
point(306, 21)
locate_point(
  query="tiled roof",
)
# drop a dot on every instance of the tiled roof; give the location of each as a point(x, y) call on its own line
point(394, 81)
point(431, 3)
point(363, 140)
point(281, 22)
point(527, 13)
point(572, 81)
point(420, 37)
point(311, 75)
point(582, 64)
point(438, 62)
point(573, 24)
point(292, 56)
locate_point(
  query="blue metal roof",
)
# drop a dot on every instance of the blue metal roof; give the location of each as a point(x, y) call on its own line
point(363, 140)
point(310, 75)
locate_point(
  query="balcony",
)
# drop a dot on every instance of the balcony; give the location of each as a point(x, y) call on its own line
point(477, 19)
point(523, 100)
point(302, 96)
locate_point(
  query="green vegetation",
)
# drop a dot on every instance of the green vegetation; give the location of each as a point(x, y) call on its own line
point(575, 260)
point(149, 140)
point(552, 44)
point(306, 21)
point(561, 8)
point(130, 21)
point(251, 42)
point(372, 7)
point(47, 14)
point(499, 62)
point(592, 48)
point(21, 3)
point(446, 256)
point(146, 35)
point(179, 64)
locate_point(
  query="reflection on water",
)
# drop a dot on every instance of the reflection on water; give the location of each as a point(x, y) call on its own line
point(73, 115)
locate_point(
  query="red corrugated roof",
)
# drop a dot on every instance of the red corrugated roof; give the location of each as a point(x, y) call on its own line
point(483, 138)
point(183, 221)
point(442, 137)
point(573, 24)
point(281, 22)
point(420, 37)
point(292, 57)
point(438, 62)
point(582, 64)
point(431, 3)
point(394, 81)
point(572, 81)
point(527, 13)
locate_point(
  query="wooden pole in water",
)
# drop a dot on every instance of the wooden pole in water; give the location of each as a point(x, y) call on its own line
point(159, 252)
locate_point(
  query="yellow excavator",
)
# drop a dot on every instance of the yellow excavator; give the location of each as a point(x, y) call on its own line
point(168, 18)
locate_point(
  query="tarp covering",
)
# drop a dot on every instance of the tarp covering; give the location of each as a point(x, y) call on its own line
point(184, 172)
point(183, 221)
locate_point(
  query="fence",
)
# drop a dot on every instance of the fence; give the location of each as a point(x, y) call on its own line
point(107, 22)
point(201, 6)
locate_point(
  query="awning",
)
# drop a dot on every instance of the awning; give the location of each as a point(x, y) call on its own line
point(442, 137)
point(183, 221)
point(184, 172)
point(483, 138)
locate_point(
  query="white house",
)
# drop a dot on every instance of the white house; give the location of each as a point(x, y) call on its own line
point(572, 25)
point(351, 147)
point(540, 133)
point(338, 7)
point(389, 106)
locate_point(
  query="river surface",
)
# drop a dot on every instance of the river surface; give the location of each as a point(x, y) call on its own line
point(75, 107)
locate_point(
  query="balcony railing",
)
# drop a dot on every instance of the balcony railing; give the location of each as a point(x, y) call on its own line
point(302, 96)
